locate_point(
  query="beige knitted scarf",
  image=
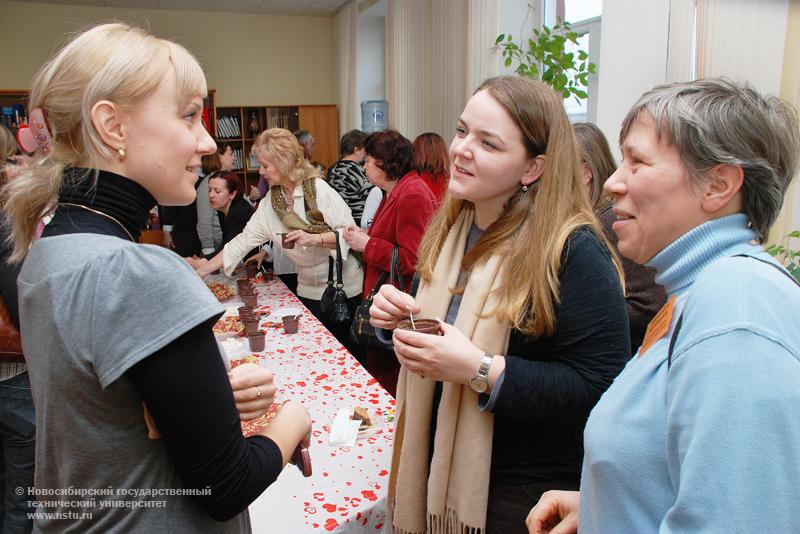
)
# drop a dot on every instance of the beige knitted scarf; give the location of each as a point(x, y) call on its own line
point(450, 494)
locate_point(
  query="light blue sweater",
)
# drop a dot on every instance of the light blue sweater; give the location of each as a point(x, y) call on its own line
point(711, 444)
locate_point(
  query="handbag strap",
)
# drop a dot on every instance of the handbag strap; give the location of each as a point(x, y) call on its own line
point(339, 283)
point(330, 271)
point(396, 277)
point(381, 280)
point(393, 275)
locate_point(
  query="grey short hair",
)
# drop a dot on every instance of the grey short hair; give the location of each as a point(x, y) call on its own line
point(303, 136)
point(716, 120)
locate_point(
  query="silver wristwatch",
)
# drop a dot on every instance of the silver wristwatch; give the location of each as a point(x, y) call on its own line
point(480, 382)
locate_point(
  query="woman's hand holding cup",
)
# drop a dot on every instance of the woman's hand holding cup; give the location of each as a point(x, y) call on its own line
point(391, 305)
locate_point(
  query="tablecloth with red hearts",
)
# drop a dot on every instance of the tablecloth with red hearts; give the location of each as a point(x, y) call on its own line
point(347, 492)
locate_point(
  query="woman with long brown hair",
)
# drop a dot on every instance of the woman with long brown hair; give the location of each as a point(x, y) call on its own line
point(643, 297)
point(432, 163)
point(490, 413)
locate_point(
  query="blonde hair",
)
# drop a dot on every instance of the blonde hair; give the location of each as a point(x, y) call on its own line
point(112, 61)
point(8, 147)
point(283, 148)
point(531, 233)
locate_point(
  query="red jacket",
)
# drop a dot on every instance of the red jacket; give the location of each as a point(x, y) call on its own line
point(401, 219)
point(437, 183)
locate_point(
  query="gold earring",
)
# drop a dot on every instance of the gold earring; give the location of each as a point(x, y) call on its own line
point(121, 154)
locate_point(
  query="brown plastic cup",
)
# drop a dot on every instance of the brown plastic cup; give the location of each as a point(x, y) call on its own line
point(247, 292)
point(250, 325)
point(290, 323)
point(251, 269)
point(256, 340)
point(250, 300)
point(285, 244)
point(424, 326)
point(243, 281)
point(245, 310)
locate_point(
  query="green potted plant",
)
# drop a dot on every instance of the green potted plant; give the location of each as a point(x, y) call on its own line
point(544, 56)
point(788, 256)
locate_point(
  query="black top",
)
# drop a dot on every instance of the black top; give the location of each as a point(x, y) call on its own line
point(8, 272)
point(644, 297)
point(183, 220)
point(552, 383)
point(239, 214)
point(237, 470)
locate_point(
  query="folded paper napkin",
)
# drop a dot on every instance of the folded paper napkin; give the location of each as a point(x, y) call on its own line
point(344, 431)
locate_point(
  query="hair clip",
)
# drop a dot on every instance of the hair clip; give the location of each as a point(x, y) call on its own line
point(35, 135)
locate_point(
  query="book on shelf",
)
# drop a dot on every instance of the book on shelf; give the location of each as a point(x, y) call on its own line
point(228, 127)
point(12, 117)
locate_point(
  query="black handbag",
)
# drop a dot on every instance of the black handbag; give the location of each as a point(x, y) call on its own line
point(361, 331)
point(333, 304)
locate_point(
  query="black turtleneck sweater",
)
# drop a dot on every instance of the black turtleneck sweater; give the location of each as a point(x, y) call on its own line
point(236, 469)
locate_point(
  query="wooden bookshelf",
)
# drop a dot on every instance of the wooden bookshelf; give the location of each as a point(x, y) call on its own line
point(240, 125)
point(13, 109)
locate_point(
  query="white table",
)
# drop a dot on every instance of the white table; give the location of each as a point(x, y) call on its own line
point(347, 492)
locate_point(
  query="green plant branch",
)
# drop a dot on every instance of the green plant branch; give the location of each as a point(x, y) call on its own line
point(545, 57)
point(788, 256)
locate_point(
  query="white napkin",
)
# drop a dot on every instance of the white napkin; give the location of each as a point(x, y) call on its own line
point(344, 431)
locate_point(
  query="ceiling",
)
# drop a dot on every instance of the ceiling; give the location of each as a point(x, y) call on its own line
point(317, 8)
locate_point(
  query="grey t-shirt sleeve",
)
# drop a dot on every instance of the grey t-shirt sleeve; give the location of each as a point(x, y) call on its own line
point(130, 303)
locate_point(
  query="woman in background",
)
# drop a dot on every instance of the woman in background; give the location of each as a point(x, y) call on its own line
point(399, 222)
point(643, 297)
point(347, 175)
point(208, 229)
point(225, 194)
point(133, 322)
point(308, 211)
point(17, 415)
point(432, 163)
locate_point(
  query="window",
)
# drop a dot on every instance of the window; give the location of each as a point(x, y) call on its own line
point(584, 16)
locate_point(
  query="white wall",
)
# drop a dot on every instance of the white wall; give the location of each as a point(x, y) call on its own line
point(633, 58)
point(249, 58)
point(371, 60)
point(515, 19)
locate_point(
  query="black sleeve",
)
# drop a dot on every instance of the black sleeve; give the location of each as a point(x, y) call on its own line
point(187, 390)
point(167, 215)
point(237, 219)
point(8, 273)
point(560, 378)
point(233, 225)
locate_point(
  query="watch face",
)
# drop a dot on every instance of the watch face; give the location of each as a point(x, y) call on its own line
point(478, 385)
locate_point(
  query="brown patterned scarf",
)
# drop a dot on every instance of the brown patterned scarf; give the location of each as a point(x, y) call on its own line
point(316, 221)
